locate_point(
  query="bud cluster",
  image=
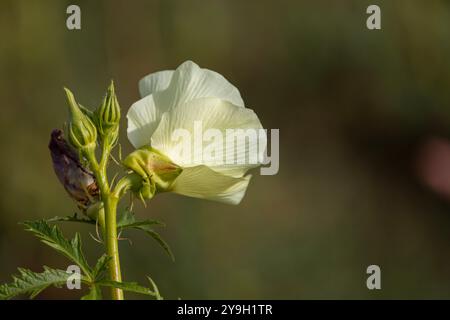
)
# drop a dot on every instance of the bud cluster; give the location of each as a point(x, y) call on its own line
point(86, 126)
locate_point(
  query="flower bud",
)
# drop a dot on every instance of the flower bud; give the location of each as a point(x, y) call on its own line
point(78, 181)
point(157, 171)
point(108, 114)
point(82, 132)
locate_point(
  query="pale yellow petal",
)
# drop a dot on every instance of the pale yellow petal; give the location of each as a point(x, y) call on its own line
point(204, 183)
point(218, 115)
point(190, 82)
point(155, 82)
point(143, 118)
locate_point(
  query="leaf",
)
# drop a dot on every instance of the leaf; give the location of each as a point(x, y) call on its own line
point(141, 223)
point(158, 239)
point(73, 218)
point(53, 237)
point(128, 220)
point(32, 283)
point(133, 287)
point(98, 274)
point(155, 288)
point(95, 293)
point(99, 271)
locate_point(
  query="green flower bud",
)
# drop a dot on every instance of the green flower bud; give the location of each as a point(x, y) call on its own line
point(82, 132)
point(157, 171)
point(108, 114)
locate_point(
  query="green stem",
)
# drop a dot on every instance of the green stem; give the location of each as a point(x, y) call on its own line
point(112, 246)
point(130, 181)
point(110, 202)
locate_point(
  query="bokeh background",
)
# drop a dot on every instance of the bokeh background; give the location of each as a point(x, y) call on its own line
point(364, 119)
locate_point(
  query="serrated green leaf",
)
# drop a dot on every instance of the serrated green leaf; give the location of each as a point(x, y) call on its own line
point(99, 271)
point(53, 237)
point(155, 235)
point(95, 293)
point(132, 287)
point(73, 218)
point(128, 220)
point(155, 288)
point(141, 223)
point(32, 283)
point(98, 274)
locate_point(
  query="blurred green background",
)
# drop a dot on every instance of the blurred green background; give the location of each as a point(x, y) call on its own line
point(355, 109)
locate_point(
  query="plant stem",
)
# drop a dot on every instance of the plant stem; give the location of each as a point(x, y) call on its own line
point(112, 246)
point(126, 183)
point(110, 202)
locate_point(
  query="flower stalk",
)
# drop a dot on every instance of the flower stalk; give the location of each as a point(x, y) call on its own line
point(112, 246)
point(83, 135)
point(110, 202)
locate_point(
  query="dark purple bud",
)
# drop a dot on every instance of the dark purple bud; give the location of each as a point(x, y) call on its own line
point(78, 181)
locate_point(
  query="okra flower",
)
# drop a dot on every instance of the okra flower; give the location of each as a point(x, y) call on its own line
point(192, 99)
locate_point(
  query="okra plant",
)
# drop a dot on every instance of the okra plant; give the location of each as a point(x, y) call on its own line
point(174, 105)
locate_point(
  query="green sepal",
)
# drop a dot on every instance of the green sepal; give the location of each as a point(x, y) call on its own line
point(82, 132)
point(157, 171)
point(108, 113)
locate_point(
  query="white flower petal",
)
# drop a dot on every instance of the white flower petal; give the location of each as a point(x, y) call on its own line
point(155, 82)
point(166, 89)
point(143, 118)
point(195, 99)
point(204, 114)
point(202, 182)
point(190, 82)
